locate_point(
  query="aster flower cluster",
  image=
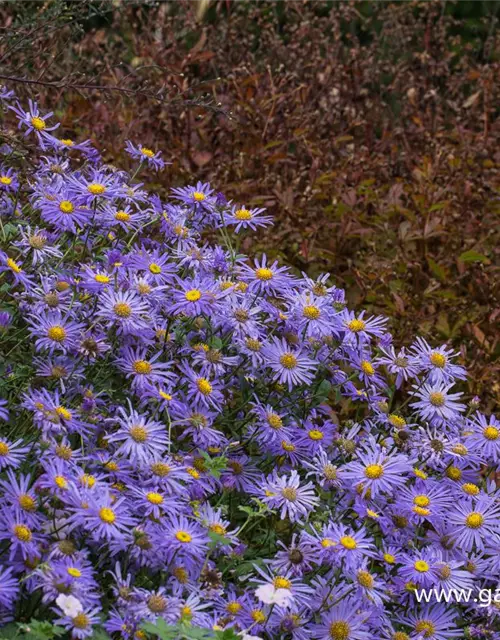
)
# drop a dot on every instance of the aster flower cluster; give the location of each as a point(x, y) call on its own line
point(191, 436)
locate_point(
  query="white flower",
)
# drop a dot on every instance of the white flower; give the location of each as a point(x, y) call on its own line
point(70, 605)
point(269, 595)
point(245, 636)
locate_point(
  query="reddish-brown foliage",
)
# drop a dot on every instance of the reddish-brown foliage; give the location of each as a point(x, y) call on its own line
point(369, 130)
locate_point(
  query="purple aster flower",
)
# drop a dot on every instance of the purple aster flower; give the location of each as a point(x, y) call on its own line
point(359, 329)
point(126, 217)
point(312, 315)
point(474, 523)
point(81, 625)
point(483, 437)
point(263, 278)
point(34, 121)
point(185, 539)
point(420, 568)
point(436, 404)
point(22, 499)
point(376, 470)
point(8, 179)
point(343, 622)
point(125, 310)
point(436, 363)
point(205, 392)
point(54, 332)
point(290, 365)
point(144, 370)
point(199, 196)
point(196, 297)
point(64, 209)
point(98, 184)
point(15, 270)
point(37, 242)
point(9, 587)
point(401, 364)
point(22, 538)
point(12, 454)
point(245, 218)
point(139, 436)
point(144, 154)
point(286, 493)
point(433, 622)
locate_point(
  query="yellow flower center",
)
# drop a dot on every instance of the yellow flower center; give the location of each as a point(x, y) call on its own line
point(96, 189)
point(356, 325)
point(22, 533)
point(122, 216)
point(186, 612)
point(348, 542)
point(63, 413)
point(274, 421)
point(437, 399)
point(460, 449)
point(397, 421)
point(491, 433)
point(233, 607)
point(87, 480)
point(61, 482)
point(340, 630)
point(154, 498)
point(5, 180)
point(160, 469)
point(218, 529)
point(102, 279)
point(74, 572)
point(81, 621)
point(438, 360)
point(316, 434)
point(389, 558)
point(426, 627)
point(199, 196)
point(281, 583)
point(165, 396)
point(454, 473)
point(421, 501)
point(471, 489)
point(365, 579)
point(193, 295)
point(367, 367)
point(138, 433)
point(57, 333)
point(326, 543)
point(157, 604)
point(311, 312)
point(122, 309)
point(38, 123)
point(66, 206)
point(264, 274)
point(155, 268)
point(400, 635)
point(374, 471)
point(287, 446)
point(421, 511)
point(183, 536)
point(243, 214)
point(258, 616)
point(147, 152)
point(193, 473)
point(107, 515)
point(204, 386)
point(288, 360)
point(12, 264)
point(289, 493)
point(474, 520)
point(142, 367)
point(67, 142)
point(421, 566)
point(26, 502)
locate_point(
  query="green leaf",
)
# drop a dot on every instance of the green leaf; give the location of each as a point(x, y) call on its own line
point(216, 539)
point(473, 256)
point(161, 629)
point(437, 269)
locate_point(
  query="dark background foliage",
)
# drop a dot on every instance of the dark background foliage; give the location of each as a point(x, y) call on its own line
point(368, 129)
